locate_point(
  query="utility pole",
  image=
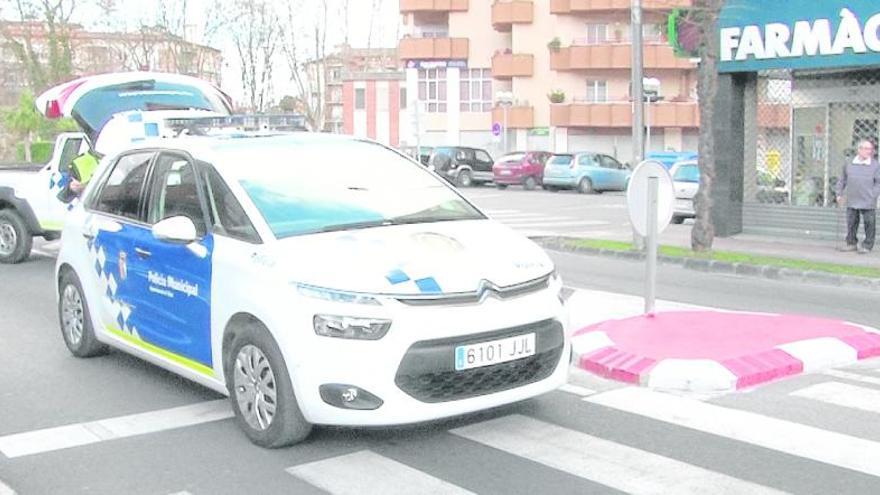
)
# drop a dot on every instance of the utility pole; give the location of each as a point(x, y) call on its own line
point(638, 98)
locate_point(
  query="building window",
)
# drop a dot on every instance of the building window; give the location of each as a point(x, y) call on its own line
point(432, 89)
point(476, 90)
point(596, 34)
point(403, 98)
point(360, 98)
point(597, 91)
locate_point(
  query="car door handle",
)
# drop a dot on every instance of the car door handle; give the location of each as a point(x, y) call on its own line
point(143, 253)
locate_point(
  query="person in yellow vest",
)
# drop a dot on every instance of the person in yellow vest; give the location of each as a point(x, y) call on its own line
point(81, 171)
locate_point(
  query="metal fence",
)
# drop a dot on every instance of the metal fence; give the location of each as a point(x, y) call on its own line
point(801, 129)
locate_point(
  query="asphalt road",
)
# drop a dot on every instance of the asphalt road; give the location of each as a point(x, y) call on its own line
point(817, 433)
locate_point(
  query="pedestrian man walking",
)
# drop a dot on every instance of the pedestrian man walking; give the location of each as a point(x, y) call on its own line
point(859, 188)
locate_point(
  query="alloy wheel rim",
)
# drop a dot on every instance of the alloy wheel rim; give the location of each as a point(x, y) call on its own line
point(255, 387)
point(8, 239)
point(72, 315)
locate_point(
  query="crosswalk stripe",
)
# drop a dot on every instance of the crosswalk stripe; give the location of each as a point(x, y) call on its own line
point(366, 472)
point(795, 439)
point(602, 461)
point(76, 435)
point(843, 395)
point(856, 377)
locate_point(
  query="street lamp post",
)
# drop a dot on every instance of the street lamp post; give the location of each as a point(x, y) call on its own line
point(504, 100)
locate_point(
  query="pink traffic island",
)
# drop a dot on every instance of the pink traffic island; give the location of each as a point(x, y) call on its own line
point(715, 351)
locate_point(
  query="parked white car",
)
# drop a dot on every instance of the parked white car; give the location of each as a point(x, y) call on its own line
point(686, 181)
point(311, 289)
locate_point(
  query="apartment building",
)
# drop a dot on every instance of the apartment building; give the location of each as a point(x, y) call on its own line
point(459, 54)
point(341, 65)
point(95, 52)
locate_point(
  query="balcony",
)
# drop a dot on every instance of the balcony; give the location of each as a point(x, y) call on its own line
point(615, 56)
point(596, 6)
point(509, 65)
point(619, 114)
point(434, 48)
point(407, 6)
point(518, 117)
point(506, 13)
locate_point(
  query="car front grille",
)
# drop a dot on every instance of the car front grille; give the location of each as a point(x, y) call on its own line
point(427, 371)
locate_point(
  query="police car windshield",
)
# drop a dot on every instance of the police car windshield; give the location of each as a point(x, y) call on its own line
point(345, 185)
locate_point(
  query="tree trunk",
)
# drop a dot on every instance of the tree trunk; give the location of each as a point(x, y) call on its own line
point(28, 138)
point(703, 233)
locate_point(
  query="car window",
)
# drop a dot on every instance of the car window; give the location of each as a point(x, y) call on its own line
point(120, 194)
point(611, 163)
point(461, 155)
point(227, 216)
point(175, 192)
point(295, 197)
point(561, 160)
point(69, 153)
point(687, 173)
point(588, 160)
point(512, 157)
point(483, 156)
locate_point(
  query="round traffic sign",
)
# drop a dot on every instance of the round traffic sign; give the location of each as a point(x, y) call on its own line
point(496, 129)
point(637, 196)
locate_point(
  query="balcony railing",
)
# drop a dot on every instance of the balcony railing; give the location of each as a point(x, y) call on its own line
point(433, 6)
point(518, 117)
point(508, 65)
point(615, 56)
point(434, 48)
point(593, 6)
point(505, 13)
point(619, 114)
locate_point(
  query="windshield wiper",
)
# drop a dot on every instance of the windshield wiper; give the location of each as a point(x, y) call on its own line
point(356, 225)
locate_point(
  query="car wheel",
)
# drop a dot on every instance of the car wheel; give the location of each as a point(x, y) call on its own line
point(530, 183)
point(585, 186)
point(75, 319)
point(15, 239)
point(501, 186)
point(677, 220)
point(464, 179)
point(261, 391)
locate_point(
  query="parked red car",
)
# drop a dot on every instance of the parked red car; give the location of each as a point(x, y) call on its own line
point(525, 168)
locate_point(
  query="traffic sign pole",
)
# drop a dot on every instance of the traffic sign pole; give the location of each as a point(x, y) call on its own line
point(652, 213)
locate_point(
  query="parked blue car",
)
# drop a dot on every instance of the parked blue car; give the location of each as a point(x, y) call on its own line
point(585, 172)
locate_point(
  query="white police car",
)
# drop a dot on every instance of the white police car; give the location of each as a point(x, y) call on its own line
point(315, 279)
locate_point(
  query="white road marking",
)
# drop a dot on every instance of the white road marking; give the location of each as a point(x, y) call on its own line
point(856, 377)
point(821, 353)
point(76, 435)
point(576, 390)
point(366, 472)
point(617, 466)
point(795, 439)
point(843, 395)
point(5, 489)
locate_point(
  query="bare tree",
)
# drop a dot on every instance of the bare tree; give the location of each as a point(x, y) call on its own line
point(43, 27)
point(705, 15)
point(256, 33)
point(304, 43)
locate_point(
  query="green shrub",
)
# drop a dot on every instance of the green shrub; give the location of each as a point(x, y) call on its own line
point(41, 151)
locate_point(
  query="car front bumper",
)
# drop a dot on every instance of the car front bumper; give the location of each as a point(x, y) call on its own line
point(412, 370)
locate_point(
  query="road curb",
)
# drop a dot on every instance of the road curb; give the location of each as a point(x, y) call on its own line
point(722, 267)
point(596, 352)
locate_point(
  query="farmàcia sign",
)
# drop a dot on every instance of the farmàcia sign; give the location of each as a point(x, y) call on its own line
point(798, 34)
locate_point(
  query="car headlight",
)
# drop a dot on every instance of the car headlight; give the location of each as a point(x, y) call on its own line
point(336, 295)
point(350, 327)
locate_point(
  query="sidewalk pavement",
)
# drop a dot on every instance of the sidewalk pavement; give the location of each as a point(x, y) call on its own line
point(686, 348)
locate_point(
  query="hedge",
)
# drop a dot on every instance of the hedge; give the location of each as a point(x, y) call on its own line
point(41, 151)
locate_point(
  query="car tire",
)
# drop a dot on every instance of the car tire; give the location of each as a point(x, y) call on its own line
point(677, 220)
point(75, 319)
point(530, 184)
point(464, 179)
point(252, 354)
point(585, 186)
point(501, 186)
point(15, 238)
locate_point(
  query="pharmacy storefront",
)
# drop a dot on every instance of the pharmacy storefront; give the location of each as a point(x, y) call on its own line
point(805, 77)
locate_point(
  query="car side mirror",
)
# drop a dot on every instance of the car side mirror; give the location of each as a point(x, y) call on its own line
point(176, 230)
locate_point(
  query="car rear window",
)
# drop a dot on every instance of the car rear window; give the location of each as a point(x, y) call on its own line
point(687, 173)
point(513, 157)
point(561, 160)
